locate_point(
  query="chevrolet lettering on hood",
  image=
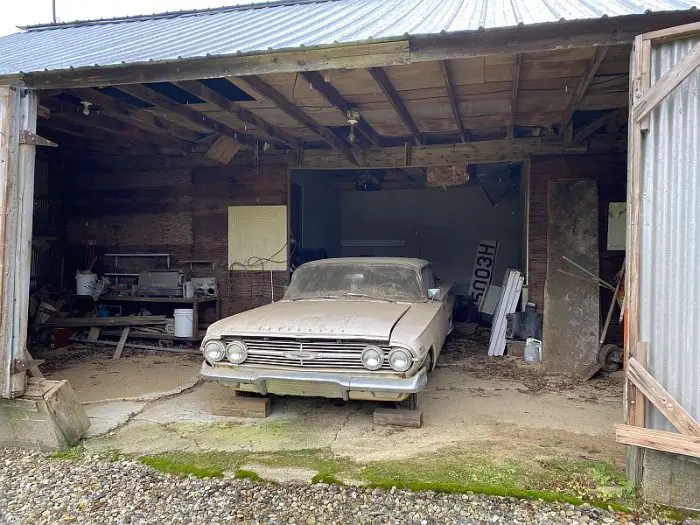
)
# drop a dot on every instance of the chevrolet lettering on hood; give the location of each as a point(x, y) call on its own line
point(352, 328)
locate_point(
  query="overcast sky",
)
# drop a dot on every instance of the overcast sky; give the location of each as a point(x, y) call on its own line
point(28, 12)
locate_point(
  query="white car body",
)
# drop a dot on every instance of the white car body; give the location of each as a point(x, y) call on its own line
point(313, 342)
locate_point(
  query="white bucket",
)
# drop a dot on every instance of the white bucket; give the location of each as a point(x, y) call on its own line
point(86, 283)
point(183, 322)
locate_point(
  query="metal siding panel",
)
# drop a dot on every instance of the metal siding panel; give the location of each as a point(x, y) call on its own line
point(670, 245)
point(264, 27)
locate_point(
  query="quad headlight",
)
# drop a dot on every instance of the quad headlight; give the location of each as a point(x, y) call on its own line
point(236, 352)
point(214, 351)
point(400, 359)
point(372, 358)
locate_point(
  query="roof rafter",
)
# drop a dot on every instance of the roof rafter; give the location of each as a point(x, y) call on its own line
point(582, 87)
point(514, 95)
point(100, 121)
point(294, 111)
point(138, 117)
point(587, 130)
point(148, 95)
point(244, 115)
point(335, 99)
point(449, 86)
point(382, 80)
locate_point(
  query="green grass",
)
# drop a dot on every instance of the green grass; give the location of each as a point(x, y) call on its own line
point(328, 479)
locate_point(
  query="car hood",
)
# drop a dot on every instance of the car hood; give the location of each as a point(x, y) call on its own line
point(367, 320)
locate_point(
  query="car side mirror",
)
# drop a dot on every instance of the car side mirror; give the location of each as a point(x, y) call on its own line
point(434, 294)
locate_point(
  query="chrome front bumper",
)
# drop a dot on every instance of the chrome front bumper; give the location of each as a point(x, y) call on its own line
point(344, 382)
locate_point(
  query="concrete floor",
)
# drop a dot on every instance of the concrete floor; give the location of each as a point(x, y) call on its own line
point(145, 404)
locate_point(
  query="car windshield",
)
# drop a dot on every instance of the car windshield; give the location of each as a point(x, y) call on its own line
point(387, 282)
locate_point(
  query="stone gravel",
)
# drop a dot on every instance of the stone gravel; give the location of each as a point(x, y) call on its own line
point(36, 489)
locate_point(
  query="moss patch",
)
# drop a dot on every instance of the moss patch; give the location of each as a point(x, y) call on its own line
point(180, 468)
point(72, 453)
point(247, 474)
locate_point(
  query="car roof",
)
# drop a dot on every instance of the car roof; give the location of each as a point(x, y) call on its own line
point(399, 261)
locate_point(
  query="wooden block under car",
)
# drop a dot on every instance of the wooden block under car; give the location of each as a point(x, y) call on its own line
point(229, 403)
point(398, 417)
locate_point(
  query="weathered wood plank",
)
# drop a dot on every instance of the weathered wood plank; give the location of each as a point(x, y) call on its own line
point(658, 440)
point(449, 85)
point(661, 399)
point(122, 341)
point(140, 320)
point(587, 130)
point(223, 150)
point(669, 81)
point(291, 109)
point(397, 417)
point(241, 113)
point(334, 98)
point(185, 111)
point(582, 87)
point(382, 80)
point(226, 402)
point(514, 95)
point(136, 117)
point(93, 334)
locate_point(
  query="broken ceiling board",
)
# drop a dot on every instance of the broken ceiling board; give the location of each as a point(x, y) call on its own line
point(442, 176)
point(223, 150)
point(571, 305)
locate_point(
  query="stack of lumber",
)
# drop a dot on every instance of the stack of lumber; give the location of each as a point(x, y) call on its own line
point(508, 303)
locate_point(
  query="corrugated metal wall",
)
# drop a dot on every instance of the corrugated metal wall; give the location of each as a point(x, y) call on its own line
point(670, 245)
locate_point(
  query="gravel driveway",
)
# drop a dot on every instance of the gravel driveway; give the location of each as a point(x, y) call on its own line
point(38, 489)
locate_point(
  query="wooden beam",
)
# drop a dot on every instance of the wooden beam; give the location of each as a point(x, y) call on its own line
point(335, 99)
point(382, 80)
point(658, 440)
point(434, 155)
point(582, 87)
point(279, 100)
point(138, 117)
point(449, 86)
point(672, 33)
point(667, 83)
point(514, 95)
point(77, 137)
point(63, 111)
point(587, 130)
point(244, 115)
point(661, 399)
point(185, 111)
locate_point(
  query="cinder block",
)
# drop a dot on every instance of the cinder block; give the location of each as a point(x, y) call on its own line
point(229, 403)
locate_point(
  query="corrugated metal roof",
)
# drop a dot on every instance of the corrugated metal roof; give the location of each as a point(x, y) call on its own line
point(669, 309)
point(282, 25)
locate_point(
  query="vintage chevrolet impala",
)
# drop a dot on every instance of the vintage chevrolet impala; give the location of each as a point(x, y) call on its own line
point(351, 328)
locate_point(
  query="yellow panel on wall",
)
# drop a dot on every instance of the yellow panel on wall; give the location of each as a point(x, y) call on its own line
point(257, 237)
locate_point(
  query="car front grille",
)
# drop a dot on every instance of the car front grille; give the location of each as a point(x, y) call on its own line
point(310, 354)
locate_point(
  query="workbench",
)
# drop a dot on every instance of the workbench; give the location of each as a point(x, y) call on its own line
point(184, 301)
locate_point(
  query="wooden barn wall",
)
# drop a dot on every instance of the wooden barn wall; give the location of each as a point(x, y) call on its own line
point(610, 171)
point(178, 211)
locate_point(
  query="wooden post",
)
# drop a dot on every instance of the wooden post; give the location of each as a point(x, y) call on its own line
point(18, 112)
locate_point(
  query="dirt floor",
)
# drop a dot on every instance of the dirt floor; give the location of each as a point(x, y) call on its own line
point(500, 407)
